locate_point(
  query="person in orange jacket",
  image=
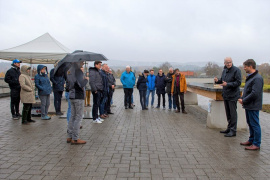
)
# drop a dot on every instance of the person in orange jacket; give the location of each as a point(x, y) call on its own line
point(179, 88)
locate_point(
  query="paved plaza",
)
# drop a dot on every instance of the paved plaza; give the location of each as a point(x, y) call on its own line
point(129, 145)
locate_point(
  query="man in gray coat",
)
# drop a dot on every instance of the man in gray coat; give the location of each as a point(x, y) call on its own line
point(96, 84)
point(76, 81)
point(231, 81)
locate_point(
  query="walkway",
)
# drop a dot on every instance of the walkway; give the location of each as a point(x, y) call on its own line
point(131, 144)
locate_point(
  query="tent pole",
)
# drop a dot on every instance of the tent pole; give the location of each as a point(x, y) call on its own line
point(31, 71)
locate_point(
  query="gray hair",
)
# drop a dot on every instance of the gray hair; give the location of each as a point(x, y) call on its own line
point(127, 66)
point(227, 58)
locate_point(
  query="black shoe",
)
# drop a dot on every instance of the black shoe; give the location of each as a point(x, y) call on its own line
point(31, 120)
point(230, 134)
point(25, 123)
point(126, 107)
point(184, 112)
point(158, 107)
point(18, 114)
point(130, 107)
point(225, 131)
point(110, 113)
point(59, 113)
point(15, 117)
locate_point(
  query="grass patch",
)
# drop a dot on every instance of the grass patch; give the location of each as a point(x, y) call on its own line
point(266, 87)
point(266, 108)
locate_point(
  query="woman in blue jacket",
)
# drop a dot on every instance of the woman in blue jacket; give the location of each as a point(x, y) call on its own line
point(142, 87)
point(42, 82)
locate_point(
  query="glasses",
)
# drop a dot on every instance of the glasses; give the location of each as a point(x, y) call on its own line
point(228, 62)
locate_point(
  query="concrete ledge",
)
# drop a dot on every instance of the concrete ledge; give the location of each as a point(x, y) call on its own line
point(216, 117)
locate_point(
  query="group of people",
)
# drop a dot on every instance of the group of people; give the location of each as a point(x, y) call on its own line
point(174, 84)
point(251, 100)
point(100, 81)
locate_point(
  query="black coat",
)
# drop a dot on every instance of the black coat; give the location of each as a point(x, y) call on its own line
point(12, 78)
point(58, 82)
point(141, 83)
point(232, 76)
point(160, 84)
point(253, 92)
point(95, 80)
point(169, 83)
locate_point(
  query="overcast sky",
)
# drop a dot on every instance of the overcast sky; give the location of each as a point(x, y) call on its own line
point(145, 30)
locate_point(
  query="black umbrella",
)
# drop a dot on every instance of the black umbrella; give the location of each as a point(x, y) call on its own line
point(77, 56)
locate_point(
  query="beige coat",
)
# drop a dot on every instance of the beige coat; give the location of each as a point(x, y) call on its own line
point(27, 87)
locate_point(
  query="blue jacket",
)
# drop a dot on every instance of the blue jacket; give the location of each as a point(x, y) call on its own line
point(151, 82)
point(42, 82)
point(253, 92)
point(57, 81)
point(104, 76)
point(128, 79)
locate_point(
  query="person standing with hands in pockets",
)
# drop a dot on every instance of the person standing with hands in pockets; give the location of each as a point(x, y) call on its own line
point(252, 103)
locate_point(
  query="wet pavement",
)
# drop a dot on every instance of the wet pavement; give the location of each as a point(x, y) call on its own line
point(131, 144)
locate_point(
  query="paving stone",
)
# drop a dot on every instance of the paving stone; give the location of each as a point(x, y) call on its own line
point(129, 145)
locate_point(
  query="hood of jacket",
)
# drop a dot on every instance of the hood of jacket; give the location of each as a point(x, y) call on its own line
point(24, 69)
point(161, 75)
point(39, 67)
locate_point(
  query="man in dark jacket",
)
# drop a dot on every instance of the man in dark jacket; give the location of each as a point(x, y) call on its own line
point(252, 103)
point(76, 81)
point(103, 104)
point(231, 81)
point(142, 87)
point(111, 83)
point(96, 83)
point(168, 89)
point(12, 78)
point(160, 87)
point(58, 88)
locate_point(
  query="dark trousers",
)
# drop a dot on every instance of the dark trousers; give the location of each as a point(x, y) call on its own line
point(14, 101)
point(26, 112)
point(231, 113)
point(253, 122)
point(128, 93)
point(163, 99)
point(143, 98)
point(103, 103)
point(57, 100)
point(108, 103)
point(97, 97)
point(176, 97)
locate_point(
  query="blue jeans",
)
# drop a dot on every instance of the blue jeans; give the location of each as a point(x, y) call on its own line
point(252, 117)
point(171, 101)
point(69, 107)
point(147, 97)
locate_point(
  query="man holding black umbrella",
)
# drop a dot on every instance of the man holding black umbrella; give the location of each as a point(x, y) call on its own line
point(77, 82)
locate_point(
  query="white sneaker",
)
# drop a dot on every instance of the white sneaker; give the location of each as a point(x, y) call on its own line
point(101, 120)
point(97, 121)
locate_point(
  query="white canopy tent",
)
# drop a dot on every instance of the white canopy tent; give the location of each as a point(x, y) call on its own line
point(42, 50)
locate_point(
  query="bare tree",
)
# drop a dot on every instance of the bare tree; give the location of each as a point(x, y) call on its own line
point(165, 67)
point(212, 69)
